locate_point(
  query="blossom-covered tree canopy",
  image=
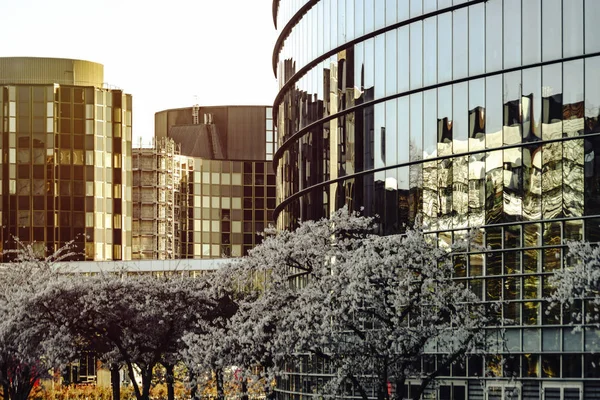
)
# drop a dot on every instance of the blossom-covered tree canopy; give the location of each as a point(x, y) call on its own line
point(135, 320)
point(580, 281)
point(366, 304)
point(29, 347)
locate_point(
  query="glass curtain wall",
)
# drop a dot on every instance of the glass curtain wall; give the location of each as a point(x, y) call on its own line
point(471, 114)
point(66, 174)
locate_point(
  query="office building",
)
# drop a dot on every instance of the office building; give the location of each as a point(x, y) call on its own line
point(206, 187)
point(66, 158)
point(469, 115)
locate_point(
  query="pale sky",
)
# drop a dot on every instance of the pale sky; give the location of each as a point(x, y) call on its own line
point(163, 53)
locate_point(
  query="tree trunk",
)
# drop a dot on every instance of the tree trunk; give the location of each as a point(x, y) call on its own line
point(146, 382)
point(399, 383)
point(170, 379)
point(244, 389)
point(382, 387)
point(131, 373)
point(5, 382)
point(359, 387)
point(194, 389)
point(219, 382)
point(23, 381)
point(115, 381)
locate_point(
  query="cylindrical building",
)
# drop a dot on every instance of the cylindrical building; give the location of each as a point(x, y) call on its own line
point(466, 114)
point(66, 158)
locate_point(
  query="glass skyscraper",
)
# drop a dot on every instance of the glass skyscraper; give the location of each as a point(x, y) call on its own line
point(463, 114)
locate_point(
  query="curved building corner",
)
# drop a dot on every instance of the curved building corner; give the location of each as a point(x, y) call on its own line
point(471, 114)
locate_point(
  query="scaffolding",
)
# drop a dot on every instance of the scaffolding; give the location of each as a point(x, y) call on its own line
point(156, 210)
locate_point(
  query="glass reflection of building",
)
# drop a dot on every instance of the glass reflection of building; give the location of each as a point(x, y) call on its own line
point(220, 181)
point(66, 148)
point(471, 114)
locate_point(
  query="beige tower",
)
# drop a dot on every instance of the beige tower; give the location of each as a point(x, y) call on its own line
point(66, 158)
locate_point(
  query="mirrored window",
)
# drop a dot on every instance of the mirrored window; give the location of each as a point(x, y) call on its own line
point(592, 27)
point(369, 63)
point(444, 41)
point(552, 101)
point(390, 63)
point(430, 51)
point(416, 55)
point(380, 53)
point(390, 12)
point(359, 17)
point(573, 28)
point(416, 8)
point(460, 27)
point(477, 39)
point(350, 18)
point(573, 108)
point(460, 125)
point(551, 29)
point(416, 125)
point(552, 174)
point(532, 31)
point(512, 33)
point(405, 146)
point(429, 6)
point(335, 39)
point(379, 14)
point(403, 59)
point(444, 121)
point(573, 178)
point(476, 114)
point(380, 135)
point(531, 104)
point(391, 134)
point(493, 111)
point(592, 95)
point(493, 35)
point(430, 123)
point(512, 108)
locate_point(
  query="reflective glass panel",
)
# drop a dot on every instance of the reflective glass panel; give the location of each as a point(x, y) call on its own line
point(416, 55)
point(460, 26)
point(573, 28)
point(430, 51)
point(552, 101)
point(592, 27)
point(551, 29)
point(512, 33)
point(403, 59)
point(493, 36)
point(532, 31)
point(477, 39)
point(444, 58)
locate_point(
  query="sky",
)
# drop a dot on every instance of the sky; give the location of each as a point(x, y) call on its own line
point(167, 54)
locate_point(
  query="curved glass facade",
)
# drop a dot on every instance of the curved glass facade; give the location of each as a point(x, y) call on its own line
point(471, 114)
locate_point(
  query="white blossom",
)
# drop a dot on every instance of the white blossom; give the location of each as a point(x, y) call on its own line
point(370, 305)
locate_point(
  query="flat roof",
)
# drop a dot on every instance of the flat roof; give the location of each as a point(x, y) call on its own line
point(178, 265)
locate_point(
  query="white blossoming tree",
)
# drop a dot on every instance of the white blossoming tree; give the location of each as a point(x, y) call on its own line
point(137, 320)
point(580, 281)
point(213, 351)
point(366, 306)
point(28, 347)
